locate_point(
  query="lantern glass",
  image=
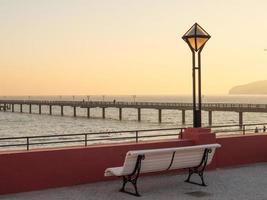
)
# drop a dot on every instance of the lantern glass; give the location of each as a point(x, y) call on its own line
point(192, 43)
point(200, 42)
point(196, 37)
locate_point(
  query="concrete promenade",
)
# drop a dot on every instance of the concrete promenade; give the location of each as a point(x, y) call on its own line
point(247, 182)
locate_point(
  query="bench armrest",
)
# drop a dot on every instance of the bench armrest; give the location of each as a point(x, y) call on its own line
point(114, 171)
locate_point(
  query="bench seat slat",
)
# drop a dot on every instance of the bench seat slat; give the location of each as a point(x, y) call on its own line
point(162, 150)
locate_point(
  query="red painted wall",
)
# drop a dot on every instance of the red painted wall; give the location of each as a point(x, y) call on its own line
point(40, 169)
point(241, 150)
point(26, 171)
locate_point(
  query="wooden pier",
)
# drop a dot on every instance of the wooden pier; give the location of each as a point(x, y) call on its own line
point(8, 105)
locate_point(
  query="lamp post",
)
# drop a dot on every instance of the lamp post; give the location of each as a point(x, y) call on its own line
point(196, 38)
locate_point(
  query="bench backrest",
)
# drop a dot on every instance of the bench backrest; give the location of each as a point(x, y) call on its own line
point(168, 158)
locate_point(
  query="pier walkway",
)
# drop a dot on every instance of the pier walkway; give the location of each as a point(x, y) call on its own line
point(9, 105)
point(241, 183)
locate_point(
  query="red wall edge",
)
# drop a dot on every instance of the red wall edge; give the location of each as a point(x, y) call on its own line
point(41, 169)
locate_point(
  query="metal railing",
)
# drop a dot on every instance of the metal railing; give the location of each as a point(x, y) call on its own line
point(245, 128)
point(85, 139)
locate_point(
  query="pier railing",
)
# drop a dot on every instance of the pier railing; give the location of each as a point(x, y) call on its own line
point(86, 139)
point(9, 105)
point(135, 104)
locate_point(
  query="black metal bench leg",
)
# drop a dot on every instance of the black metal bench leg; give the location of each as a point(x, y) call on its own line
point(195, 171)
point(135, 188)
point(202, 179)
point(190, 172)
point(123, 184)
point(134, 183)
point(199, 169)
point(132, 178)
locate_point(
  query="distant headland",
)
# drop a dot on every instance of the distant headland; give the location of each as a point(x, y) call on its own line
point(258, 87)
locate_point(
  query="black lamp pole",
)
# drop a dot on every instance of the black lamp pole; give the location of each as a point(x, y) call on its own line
point(196, 37)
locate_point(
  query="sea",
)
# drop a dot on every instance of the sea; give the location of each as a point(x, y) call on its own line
point(24, 124)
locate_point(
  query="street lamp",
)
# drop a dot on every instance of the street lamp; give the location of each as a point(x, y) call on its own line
point(196, 38)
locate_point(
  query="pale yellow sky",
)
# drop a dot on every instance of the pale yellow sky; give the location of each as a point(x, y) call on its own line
point(66, 47)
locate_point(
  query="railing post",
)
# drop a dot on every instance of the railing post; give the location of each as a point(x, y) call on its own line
point(85, 140)
point(240, 119)
point(181, 133)
point(136, 136)
point(28, 143)
point(244, 129)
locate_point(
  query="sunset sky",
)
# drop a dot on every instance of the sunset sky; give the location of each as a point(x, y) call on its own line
point(80, 47)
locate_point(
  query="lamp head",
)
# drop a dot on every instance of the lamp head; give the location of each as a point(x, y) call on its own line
point(196, 37)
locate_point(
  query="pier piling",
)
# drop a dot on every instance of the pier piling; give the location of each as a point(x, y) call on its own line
point(139, 114)
point(103, 113)
point(50, 109)
point(160, 119)
point(74, 111)
point(183, 116)
point(62, 110)
point(88, 112)
point(210, 117)
point(120, 113)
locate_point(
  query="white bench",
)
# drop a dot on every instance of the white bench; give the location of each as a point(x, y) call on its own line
point(194, 158)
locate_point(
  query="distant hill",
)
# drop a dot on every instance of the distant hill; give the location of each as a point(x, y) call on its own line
point(258, 87)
